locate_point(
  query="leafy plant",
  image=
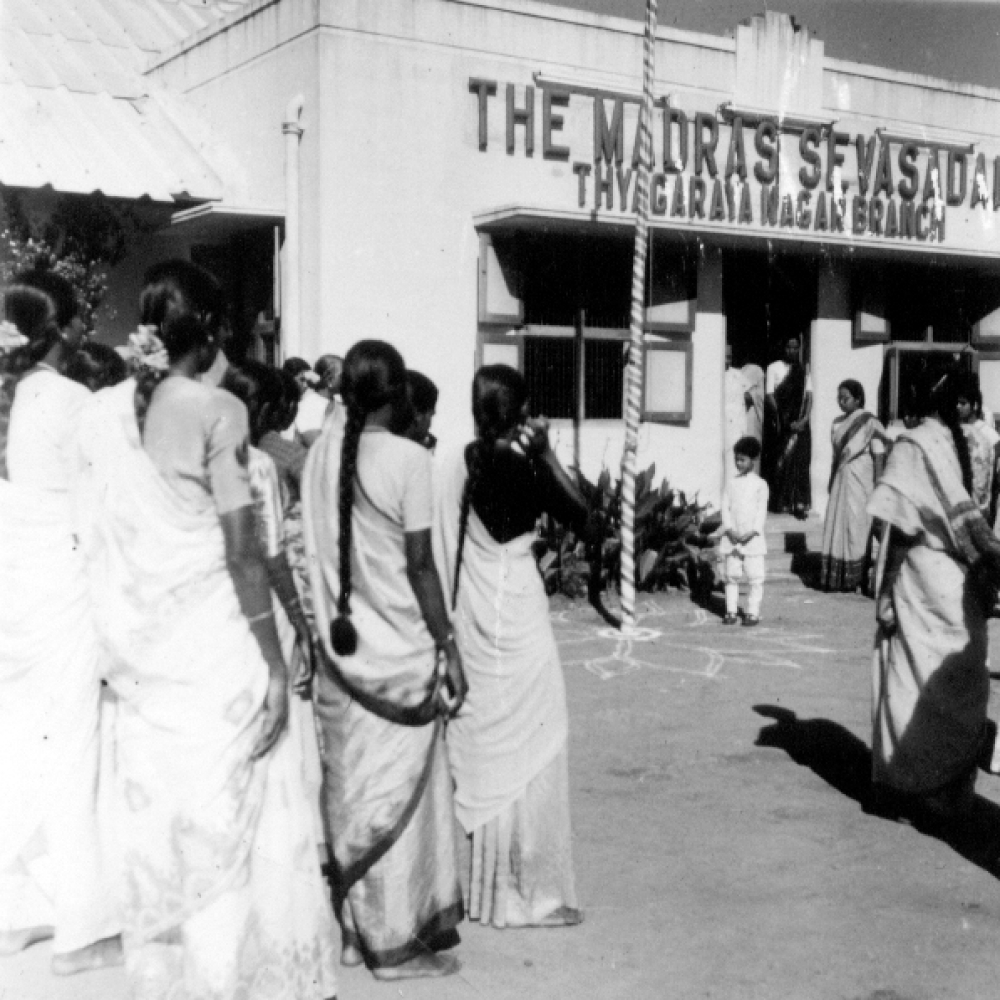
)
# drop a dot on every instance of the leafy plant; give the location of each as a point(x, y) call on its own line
point(673, 542)
point(79, 238)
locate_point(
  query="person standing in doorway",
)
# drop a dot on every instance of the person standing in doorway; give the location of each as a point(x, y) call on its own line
point(754, 375)
point(858, 441)
point(787, 436)
point(737, 401)
point(982, 439)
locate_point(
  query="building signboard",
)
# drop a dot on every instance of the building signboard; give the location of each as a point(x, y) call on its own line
point(748, 170)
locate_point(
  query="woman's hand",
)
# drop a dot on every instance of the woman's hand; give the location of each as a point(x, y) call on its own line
point(885, 612)
point(532, 437)
point(275, 711)
point(306, 666)
point(454, 686)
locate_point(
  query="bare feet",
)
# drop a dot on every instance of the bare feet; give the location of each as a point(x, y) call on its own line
point(11, 942)
point(99, 955)
point(350, 956)
point(421, 967)
point(565, 916)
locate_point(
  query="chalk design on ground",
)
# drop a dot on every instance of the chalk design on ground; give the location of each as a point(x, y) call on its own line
point(687, 634)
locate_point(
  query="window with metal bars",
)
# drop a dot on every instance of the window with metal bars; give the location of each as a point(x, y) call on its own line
point(550, 371)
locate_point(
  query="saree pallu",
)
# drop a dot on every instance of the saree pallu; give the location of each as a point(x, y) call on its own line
point(847, 526)
point(387, 792)
point(930, 679)
point(507, 746)
point(56, 861)
point(789, 451)
point(983, 459)
point(223, 895)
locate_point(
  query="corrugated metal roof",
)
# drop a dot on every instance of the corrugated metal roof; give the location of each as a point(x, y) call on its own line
point(76, 111)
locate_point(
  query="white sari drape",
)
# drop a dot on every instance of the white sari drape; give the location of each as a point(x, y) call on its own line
point(223, 892)
point(507, 747)
point(386, 786)
point(514, 721)
point(52, 844)
point(56, 862)
point(931, 684)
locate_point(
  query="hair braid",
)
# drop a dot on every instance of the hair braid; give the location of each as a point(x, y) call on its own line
point(478, 457)
point(343, 635)
point(962, 447)
point(941, 397)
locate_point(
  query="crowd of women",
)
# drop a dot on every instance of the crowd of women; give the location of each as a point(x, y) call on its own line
point(227, 639)
point(223, 644)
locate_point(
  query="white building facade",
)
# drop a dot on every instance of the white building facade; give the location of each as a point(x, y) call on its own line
point(458, 177)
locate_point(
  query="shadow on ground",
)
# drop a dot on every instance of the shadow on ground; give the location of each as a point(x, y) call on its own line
point(843, 761)
point(805, 564)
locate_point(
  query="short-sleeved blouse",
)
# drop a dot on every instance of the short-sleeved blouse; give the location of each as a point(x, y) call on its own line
point(393, 497)
point(265, 489)
point(512, 493)
point(198, 438)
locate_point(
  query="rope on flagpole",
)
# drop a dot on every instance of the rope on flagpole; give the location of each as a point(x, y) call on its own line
point(633, 399)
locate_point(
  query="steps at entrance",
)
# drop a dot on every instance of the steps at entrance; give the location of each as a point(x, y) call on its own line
point(793, 546)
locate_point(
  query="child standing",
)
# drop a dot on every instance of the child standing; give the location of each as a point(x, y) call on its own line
point(742, 547)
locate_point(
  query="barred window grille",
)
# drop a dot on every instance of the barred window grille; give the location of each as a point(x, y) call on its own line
point(603, 379)
point(550, 370)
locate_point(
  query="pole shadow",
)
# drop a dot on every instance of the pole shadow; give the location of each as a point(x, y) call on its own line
point(844, 762)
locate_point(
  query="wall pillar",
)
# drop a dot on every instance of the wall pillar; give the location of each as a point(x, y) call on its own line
point(709, 365)
point(834, 359)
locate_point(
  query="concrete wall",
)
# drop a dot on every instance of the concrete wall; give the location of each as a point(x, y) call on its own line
point(394, 176)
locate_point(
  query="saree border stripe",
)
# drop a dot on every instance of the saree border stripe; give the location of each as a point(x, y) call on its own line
point(357, 870)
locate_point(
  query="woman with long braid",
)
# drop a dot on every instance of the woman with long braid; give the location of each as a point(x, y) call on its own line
point(938, 566)
point(508, 746)
point(53, 872)
point(223, 892)
point(390, 673)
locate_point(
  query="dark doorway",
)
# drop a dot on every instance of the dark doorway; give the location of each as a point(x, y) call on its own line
point(769, 296)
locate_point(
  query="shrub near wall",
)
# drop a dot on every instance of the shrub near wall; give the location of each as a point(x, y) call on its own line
point(673, 533)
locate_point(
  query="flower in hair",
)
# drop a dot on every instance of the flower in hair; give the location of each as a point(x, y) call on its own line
point(146, 350)
point(10, 337)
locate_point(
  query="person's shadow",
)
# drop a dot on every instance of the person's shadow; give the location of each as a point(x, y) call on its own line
point(843, 761)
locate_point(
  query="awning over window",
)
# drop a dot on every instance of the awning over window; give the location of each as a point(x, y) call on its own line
point(81, 143)
point(78, 115)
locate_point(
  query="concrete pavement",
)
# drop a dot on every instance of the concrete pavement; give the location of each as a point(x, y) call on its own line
point(721, 851)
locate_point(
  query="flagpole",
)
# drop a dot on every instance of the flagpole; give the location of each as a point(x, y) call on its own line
point(633, 399)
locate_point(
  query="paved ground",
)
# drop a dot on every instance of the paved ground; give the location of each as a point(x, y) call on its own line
point(721, 851)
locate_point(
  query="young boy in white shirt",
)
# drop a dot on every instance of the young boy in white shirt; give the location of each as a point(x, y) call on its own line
point(742, 547)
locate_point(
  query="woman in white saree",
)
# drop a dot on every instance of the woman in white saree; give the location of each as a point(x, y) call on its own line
point(938, 565)
point(54, 871)
point(858, 454)
point(223, 894)
point(508, 746)
point(259, 387)
point(390, 674)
